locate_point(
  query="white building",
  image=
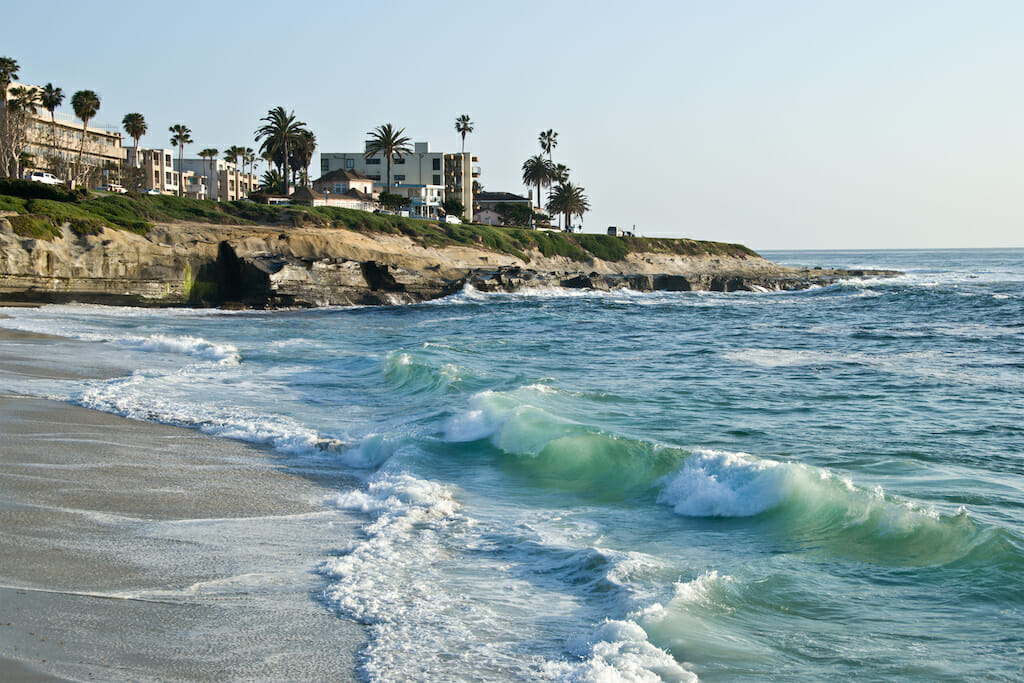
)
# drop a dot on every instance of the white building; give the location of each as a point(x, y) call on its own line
point(416, 175)
point(158, 169)
point(226, 182)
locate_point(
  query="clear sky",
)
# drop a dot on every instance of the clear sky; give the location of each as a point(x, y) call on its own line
point(779, 124)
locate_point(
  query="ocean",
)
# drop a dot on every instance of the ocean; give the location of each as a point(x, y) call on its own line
point(824, 484)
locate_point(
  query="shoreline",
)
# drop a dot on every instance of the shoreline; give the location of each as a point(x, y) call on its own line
point(151, 552)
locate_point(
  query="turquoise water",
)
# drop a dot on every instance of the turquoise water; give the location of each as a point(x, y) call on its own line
point(815, 485)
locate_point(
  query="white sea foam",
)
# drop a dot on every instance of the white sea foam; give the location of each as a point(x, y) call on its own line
point(720, 484)
point(187, 346)
point(618, 651)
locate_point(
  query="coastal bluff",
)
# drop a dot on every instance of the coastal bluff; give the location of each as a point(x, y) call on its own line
point(202, 264)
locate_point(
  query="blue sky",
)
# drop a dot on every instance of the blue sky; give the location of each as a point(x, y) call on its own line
point(776, 124)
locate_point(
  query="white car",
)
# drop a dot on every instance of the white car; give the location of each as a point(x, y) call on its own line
point(42, 177)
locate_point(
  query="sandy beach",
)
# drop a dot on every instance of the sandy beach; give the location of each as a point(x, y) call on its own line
point(138, 551)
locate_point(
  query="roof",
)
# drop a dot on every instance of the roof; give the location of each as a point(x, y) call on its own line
point(341, 174)
point(353, 192)
point(498, 197)
point(306, 193)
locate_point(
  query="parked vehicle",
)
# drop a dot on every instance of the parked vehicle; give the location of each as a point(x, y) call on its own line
point(112, 187)
point(152, 190)
point(43, 177)
point(452, 219)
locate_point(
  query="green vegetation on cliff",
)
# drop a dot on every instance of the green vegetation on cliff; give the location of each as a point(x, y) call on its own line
point(42, 210)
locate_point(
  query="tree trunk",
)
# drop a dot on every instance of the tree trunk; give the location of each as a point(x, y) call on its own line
point(284, 176)
point(81, 150)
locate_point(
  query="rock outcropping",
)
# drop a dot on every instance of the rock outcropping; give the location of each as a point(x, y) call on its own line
point(201, 264)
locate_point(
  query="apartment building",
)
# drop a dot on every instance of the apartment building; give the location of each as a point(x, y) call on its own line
point(55, 145)
point(425, 176)
point(158, 170)
point(226, 181)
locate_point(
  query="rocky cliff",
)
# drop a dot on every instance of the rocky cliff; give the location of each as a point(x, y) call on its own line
point(203, 264)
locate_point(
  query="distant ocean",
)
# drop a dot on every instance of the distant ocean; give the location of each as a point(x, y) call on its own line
point(817, 485)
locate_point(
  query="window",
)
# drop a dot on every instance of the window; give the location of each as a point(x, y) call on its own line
point(337, 188)
point(437, 166)
point(373, 161)
point(325, 166)
point(167, 177)
point(350, 163)
point(437, 180)
point(167, 160)
point(374, 177)
point(156, 177)
point(400, 161)
point(399, 178)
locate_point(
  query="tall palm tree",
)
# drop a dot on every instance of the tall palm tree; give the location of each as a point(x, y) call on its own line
point(8, 74)
point(463, 126)
point(568, 200)
point(208, 155)
point(548, 140)
point(135, 125)
point(85, 103)
point(182, 135)
point(278, 135)
point(387, 141)
point(302, 156)
point(232, 154)
point(248, 157)
point(51, 97)
point(538, 171)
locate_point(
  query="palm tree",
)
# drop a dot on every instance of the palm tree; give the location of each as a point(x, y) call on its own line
point(568, 200)
point(561, 173)
point(51, 97)
point(271, 180)
point(135, 125)
point(278, 134)
point(548, 141)
point(8, 74)
point(182, 135)
point(463, 126)
point(305, 145)
point(209, 154)
point(538, 171)
point(85, 103)
point(232, 154)
point(248, 157)
point(387, 141)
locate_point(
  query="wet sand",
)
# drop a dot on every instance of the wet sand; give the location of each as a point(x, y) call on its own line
point(137, 551)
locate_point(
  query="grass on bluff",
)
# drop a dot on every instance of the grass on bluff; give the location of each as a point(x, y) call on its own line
point(42, 210)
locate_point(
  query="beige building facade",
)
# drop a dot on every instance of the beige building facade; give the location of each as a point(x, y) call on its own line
point(412, 175)
point(55, 145)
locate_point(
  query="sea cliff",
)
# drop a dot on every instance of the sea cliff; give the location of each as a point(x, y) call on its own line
point(187, 263)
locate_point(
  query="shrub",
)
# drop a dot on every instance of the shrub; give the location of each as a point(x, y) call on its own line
point(34, 225)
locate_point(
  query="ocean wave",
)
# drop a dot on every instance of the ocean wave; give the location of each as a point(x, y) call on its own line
point(197, 347)
point(559, 452)
point(618, 650)
point(817, 509)
point(413, 373)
